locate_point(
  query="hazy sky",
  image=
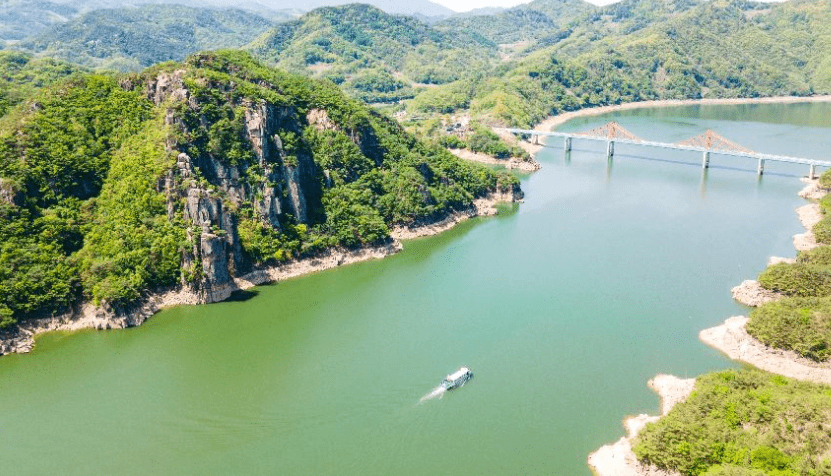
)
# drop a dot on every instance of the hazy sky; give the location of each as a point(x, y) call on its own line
point(465, 5)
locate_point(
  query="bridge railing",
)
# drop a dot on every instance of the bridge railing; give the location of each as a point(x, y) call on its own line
point(666, 145)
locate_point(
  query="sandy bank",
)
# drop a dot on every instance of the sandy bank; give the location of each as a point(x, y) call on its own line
point(88, 316)
point(551, 122)
point(512, 163)
point(732, 339)
point(618, 459)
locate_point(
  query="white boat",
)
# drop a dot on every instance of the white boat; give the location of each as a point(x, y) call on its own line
point(457, 378)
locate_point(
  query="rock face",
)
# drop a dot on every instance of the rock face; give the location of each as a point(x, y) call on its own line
point(10, 193)
point(206, 191)
point(751, 293)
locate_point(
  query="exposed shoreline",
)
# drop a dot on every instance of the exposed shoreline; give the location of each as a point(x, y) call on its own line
point(547, 124)
point(512, 163)
point(732, 339)
point(88, 316)
point(618, 459)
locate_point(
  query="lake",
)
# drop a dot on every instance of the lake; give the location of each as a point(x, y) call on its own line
point(563, 307)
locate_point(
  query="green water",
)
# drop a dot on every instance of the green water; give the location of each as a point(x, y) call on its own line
point(563, 306)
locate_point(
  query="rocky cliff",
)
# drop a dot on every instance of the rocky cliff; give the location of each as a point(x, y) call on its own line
point(244, 169)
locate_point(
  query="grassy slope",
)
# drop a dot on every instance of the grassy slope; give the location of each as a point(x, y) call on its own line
point(21, 75)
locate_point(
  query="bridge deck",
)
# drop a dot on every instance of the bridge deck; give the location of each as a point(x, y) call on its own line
point(667, 145)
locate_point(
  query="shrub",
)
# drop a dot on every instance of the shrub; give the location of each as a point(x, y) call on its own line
point(743, 422)
point(799, 324)
point(798, 279)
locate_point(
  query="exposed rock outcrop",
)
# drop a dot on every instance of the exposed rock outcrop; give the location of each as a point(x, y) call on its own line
point(751, 293)
point(10, 193)
point(732, 339)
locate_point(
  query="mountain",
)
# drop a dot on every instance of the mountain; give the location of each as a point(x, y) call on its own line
point(22, 18)
point(190, 174)
point(129, 39)
point(396, 7)
point(410, 7)
point(376, 55)
point(524, 23)
point(656, 49)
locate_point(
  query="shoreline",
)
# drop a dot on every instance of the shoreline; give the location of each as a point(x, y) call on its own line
point(732, 339)
point(89, 316)
point(547, 124)
point(618, 459)
point(511, 164)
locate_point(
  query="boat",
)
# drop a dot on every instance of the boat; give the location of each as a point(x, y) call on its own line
point(457, 378)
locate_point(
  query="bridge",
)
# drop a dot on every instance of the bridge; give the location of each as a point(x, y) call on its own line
point(706, 143)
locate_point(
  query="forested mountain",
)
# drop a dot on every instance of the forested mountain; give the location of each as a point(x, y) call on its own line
point(643, 49)
point(23, 18)
point(129, 39)
point(527, 22)
point(197, 172)
point(405, 7)
point(373, 54)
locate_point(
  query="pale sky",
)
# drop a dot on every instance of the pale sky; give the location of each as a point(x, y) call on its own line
point(465, 5)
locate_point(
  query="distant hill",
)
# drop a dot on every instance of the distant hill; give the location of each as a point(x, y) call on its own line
point(22, 18)
point(373, 53)
point(403, 7)
point(130, 39)
point(654, 49)
point(527, 22)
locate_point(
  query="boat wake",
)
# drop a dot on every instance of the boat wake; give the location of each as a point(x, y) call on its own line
point(435, 393)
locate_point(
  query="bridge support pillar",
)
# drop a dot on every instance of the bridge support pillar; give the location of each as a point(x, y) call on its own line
point(705, 160)
point(761, 168)
point(610, 149)
point(536, 139)
point(567, 144)
point(812, 174)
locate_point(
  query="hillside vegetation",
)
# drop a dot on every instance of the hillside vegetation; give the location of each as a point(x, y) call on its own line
point(376, 56)
point(21, 75)
point(130, 39)
point(626, 52)
point(197, 172)
point(20, 19)
point(527, 22)
point(743, 422)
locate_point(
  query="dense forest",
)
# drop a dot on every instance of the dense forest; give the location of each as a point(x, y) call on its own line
point(130, 39)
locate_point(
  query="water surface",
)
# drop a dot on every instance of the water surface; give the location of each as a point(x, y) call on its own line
point(563, 307)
